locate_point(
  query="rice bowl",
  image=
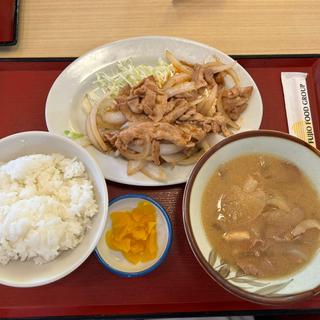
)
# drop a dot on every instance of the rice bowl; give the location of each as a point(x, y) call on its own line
point(27, 273)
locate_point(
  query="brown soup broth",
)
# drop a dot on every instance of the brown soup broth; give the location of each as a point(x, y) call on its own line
point(261, 214)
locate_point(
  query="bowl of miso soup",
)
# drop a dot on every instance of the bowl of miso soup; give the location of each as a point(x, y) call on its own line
point(251, 212)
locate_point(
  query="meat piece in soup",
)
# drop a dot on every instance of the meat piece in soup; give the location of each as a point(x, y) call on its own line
point(260, 214)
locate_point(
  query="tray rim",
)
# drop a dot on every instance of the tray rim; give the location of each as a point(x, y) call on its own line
point(235, 56)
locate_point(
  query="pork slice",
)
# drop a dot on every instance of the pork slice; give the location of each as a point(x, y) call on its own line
point(170, 106)
point(181, 106)
point(125, 91)
point(287, 219)
point(135, 132)
point(189, 95)
point(171, 133)
point(279, 223)
point(198, 117)
point(155, 131)
point(155, 152)
point(235, 107)
point(147, 83)
point(198, 76)
point(209, 76)
point(131, 116)
point(219, 78)
point(110, 136)
point(215, 127)
point(193, 131)
point(188, 115)
point(151, 84)
point(160, 108)
point(134, 104)
point(148, 102)
point(235, 100)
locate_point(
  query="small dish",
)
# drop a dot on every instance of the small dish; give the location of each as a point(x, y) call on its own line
point(114, 261)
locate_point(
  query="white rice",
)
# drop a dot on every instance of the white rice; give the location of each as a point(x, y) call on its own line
point(46, 206)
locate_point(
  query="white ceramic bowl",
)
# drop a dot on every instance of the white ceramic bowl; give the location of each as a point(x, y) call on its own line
point(114, 261)
point(306, 282)
point(28, 274)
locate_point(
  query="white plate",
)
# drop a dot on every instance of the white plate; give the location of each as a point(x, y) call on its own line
point(63, 103)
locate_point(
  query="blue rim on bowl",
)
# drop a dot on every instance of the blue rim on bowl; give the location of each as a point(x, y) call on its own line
point(160, 259)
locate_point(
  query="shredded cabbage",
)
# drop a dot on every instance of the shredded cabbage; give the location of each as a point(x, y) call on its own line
point(129, 73)
point(73, 134)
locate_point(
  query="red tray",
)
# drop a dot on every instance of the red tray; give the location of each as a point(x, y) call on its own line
point(179, 286)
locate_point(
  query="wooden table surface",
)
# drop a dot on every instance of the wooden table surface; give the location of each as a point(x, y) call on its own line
point(69, 28)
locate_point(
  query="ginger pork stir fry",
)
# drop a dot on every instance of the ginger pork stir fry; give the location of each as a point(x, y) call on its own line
point(168, 120)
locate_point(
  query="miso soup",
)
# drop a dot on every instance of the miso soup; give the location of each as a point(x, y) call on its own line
point(261, 215)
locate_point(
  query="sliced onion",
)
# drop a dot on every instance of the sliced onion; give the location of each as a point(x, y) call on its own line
point(94, 128)
point(209, 105)
point(135, 166)
point(304, 226)
point(226, 132)
point(154, 172)
point(140, 153)
point(105, 102)
point(234, 76)
point(135, 147)
point(114, 117)
point(204, 143)
point(169, 148)
point(212, 64)
point(177, 78)
point(232, 124)
point(219, 102)
point(180, 88)
point(173, 158)
point(223, 67)
point(165, 148)
point(91, 136)
point(126, 125)
point(87, 106)
point(192, 159)
point(177, 64)
point(197, 101)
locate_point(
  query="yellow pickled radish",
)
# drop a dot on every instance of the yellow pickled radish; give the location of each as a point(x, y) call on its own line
point(134, 233)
